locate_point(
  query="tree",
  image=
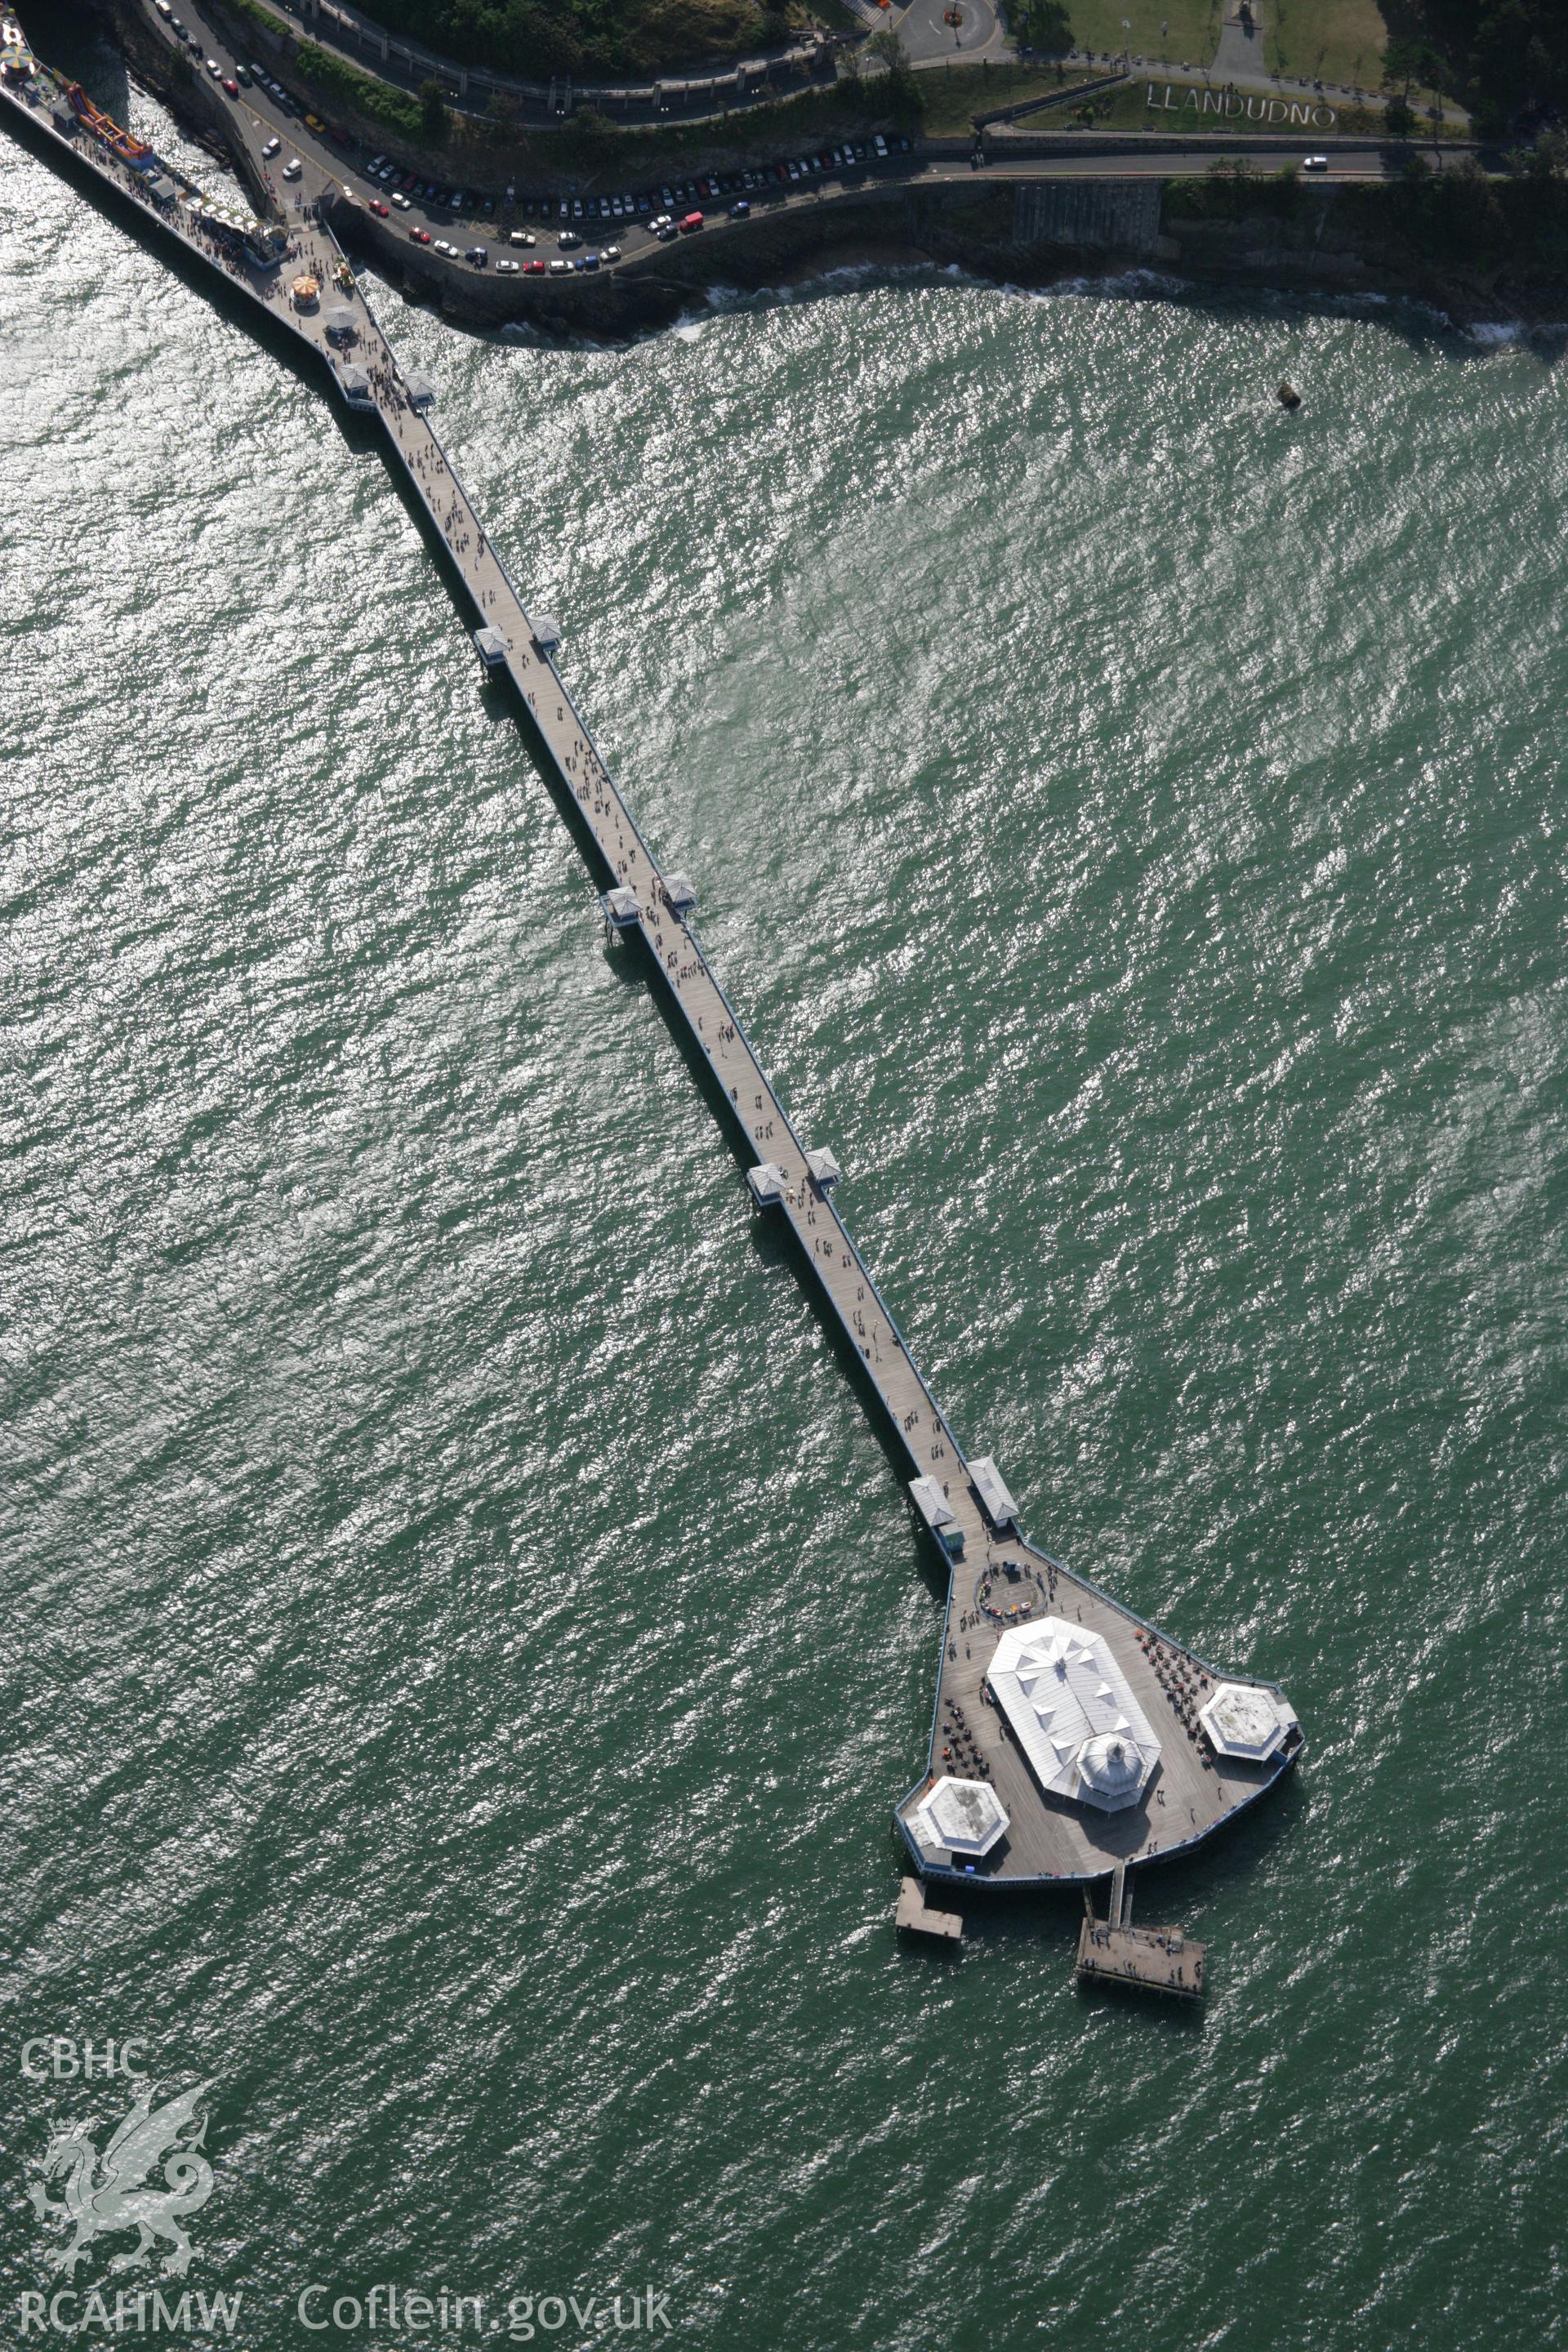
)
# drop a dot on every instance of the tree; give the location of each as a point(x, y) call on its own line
point(906, 101)
point(434, 120)
point(1044, 25)
point(1400, 117)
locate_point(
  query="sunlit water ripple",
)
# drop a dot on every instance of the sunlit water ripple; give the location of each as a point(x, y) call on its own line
point(465, 1637)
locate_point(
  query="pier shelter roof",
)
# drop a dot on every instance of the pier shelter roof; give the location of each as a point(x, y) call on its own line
point(967, 1816)
point(1069, 1706)
point(1243, 1720)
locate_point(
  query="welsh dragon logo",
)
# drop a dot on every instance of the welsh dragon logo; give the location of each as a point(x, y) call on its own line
point(113, 2192)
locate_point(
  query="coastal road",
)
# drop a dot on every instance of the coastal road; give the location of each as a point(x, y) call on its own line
point(257, 116)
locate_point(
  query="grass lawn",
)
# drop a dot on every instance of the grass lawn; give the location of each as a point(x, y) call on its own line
point(1339, 40)
point(1128, 109)
point(1192, 27)
point(954, 95)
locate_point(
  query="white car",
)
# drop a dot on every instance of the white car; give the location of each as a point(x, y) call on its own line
point(507, 264)
point(560, 268)
point(610, 253)
point(403, 204)
point(1315, 163)
point(272, 147)
point(523, 236)
point(292, 168)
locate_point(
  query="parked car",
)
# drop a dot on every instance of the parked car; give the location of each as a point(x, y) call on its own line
point(378, 207)
point(740, 209)
point(559, 268)
point(272, 146)
point(611, 252)
point(479, 255)
point(534, 268)
point(242, 76)
point(523, 236)
point(231, 86)
point(692, 220)
point(420, 235)
point(506, 265)
point(567, 239)
point(292, 168)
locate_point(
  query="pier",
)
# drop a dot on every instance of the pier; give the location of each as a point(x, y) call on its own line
point(1070, 1738)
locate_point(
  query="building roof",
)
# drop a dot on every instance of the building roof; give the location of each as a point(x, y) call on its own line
point(965, 1816)
point(992, 1489)
point(1069, 1705)
point(1243, 1720)
point(932, 1504)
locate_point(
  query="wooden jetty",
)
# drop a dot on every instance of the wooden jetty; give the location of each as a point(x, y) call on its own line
point(913, 1915)
point(1151, 1959)
point(1035, 1826)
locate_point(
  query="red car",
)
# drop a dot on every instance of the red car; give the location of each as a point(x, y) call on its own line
point(533, 268)
point(232, 87)
point(693, 220)
point(420, 235)
point(378, 207)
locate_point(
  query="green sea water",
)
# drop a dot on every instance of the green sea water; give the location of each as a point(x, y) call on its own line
point(464, 1637)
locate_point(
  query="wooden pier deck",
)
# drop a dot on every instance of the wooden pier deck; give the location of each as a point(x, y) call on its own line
point(1048, 1838)
point(1154, 1960)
